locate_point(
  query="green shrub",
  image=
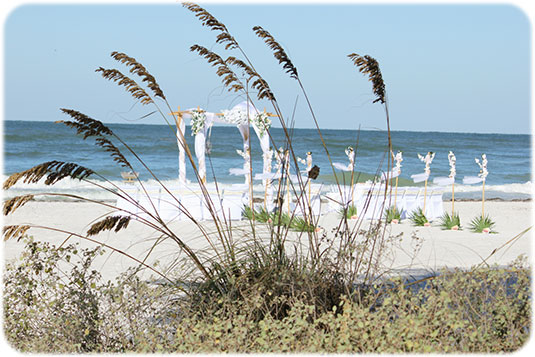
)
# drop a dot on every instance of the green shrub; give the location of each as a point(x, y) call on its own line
point(47, 309)
point(347, 212)
point(392, 213)
point(480, 224)
point(449, 222)
point(418, 218)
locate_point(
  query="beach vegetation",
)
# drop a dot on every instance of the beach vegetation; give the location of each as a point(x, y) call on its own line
point(349, 212)
point(418, 218)
point(392, 215)
point(249, 289)
point(71, 310)
point(482, 224)
point(450, 222)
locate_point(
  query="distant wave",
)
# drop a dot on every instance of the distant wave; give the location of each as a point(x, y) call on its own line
point(92, 190)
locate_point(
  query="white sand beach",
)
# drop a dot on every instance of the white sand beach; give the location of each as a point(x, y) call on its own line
point(428, 248)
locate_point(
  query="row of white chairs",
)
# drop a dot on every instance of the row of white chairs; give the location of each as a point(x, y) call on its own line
point(182, 203)
point(372, 202)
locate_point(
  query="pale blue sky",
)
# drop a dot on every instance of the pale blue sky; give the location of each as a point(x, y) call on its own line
point(463, 68)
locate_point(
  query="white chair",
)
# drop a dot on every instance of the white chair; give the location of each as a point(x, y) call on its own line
point(315, 201)
point(410, 201)
point(125, 205)
point(149, 199)
point(436, 205)
point(192, 204)
point(169, 207)
point(234, 200)
point(215, 202)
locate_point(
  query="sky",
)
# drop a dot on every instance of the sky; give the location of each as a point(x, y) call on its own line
point(449, 68)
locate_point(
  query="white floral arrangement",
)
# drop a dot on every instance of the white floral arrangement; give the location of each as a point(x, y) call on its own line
point(235, 116)
point(262, 122)
point(198, 117)
point(483, 173)
point(427, 159)
point(399, 158)
point(452, 160)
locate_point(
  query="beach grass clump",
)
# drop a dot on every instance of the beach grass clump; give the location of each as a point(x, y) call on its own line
point(450, 222)
point(392, 215)
point(277, 218)
point(71, 310)
point(418, 218)
point(291, 292)
point(261, 215)
point(482, 224)
point(301, 224)
point(349, 212)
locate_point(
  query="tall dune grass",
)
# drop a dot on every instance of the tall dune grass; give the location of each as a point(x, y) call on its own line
point(244, 259)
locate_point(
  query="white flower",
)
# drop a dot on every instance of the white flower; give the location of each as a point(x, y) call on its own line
point(262, 123)
point(235, 116)
point(198, 117)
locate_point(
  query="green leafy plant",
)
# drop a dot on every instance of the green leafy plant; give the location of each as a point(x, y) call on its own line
point(300, 224)
point(482, 224)
point(392, 214)
point(349, 212)
point(418, 218)
point(450, 222)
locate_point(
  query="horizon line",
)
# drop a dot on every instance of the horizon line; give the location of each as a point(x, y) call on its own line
point(312, 128)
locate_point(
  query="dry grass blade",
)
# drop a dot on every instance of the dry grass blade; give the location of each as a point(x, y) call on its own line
point(264, 92)
point(369, 65)
point(84, 124)
point(131, 86)
point(54, 171)
point(15, 231)
point(278, 51)
point(140, 70)
point(114, 151)
point(113, 222)
point(91, 127)
point(208, 20)
point(229, 78)
point(14, 203)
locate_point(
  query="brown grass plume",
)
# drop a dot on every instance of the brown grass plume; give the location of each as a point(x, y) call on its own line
point(369, 65)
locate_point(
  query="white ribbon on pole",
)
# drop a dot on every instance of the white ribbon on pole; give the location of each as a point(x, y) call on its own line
point(420, 177)
point(443, 181)
point(181, 142)
point(470, 180)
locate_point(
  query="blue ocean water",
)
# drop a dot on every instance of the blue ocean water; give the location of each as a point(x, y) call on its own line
point(28, 143)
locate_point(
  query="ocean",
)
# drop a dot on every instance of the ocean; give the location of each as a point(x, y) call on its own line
point(28, 143)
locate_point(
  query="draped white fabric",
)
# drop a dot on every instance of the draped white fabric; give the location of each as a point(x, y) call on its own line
point(181, 142)
point(469, 180)
point(443, 181)
point(341, 166)
point(200, 141)
point(420, 177)
point(393, 174)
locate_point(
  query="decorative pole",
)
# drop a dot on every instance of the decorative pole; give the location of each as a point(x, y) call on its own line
point(397, 171)
point(287, 169)
point(483, 175)
point(452, 159)
point(351, 155)
point(309, 167)
point(198, 129)
point(181, 141)
point(247, 172)
point(308, 163)
point(428, 159)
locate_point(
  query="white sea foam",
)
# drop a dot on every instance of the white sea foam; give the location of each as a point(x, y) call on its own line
point(100, 190)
